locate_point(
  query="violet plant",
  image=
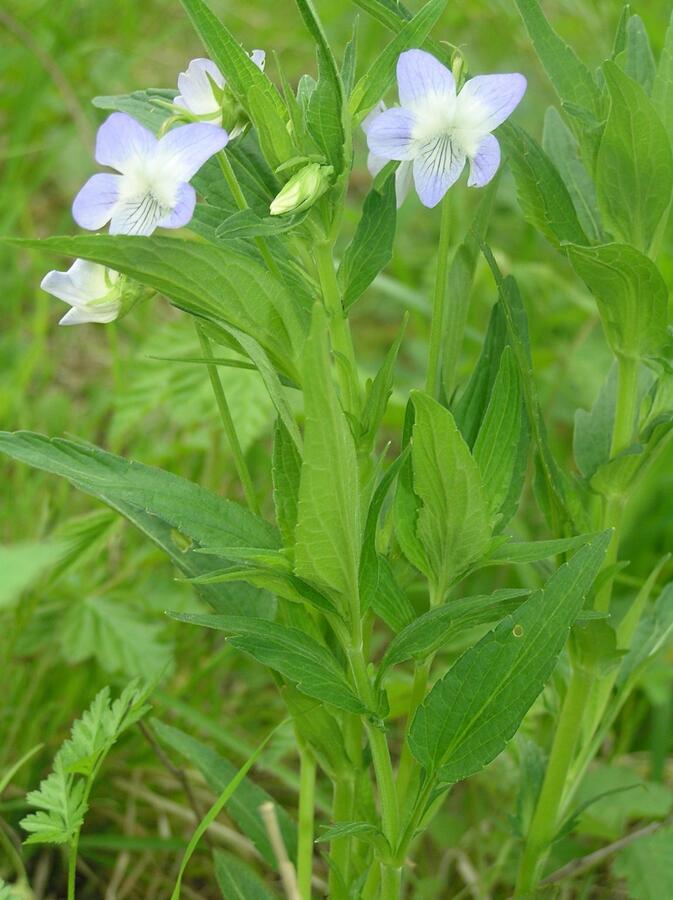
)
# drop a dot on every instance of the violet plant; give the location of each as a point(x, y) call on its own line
point(358, 583)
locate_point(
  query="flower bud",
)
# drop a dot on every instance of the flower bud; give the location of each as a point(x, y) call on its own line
point(302, 190)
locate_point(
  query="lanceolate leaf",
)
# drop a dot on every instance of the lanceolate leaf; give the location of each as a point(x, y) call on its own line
point(371, 249)
point(454, 523)
point(533, 551)
point(478, 705)
point(570, 77)
point(543, 195)
point(561, 146)
point(173, 512)
point(632, 296)
point(237, 880)
point(503, 436)
point(634, 165)
point(429, 632)
point(662, 91)
point(293, 653)
point(328, 532)
point(209, 281)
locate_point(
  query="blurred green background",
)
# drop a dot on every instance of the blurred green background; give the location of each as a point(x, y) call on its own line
point(95, 617)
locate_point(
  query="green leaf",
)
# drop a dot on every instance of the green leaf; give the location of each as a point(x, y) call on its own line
point(327, 551)
point(634, 168)
point(208, 281)
point(654, 631)
point(24, 564)
point(638, 60)
point(454, 523)
point(379, 391)
point(631, 295)
point(115, 635)
point(430, 632)
point(407, 503)
point(476, 708)
point(592, 435)
point(503, 438)
point(243, 806)
point(545, 200)
point(394, 15)
point(286, 473)
point(662, 90)
point(316, 725)
point(534, 551)
point(562, 148)
point(60, 808)
point(173, 512)
point(245, 223)
point(293, 653)
point(271, 127)
point(371, 249)
point(571, 79)
point(237, 880)
point(472, 404)
point(325, 109)
point(364, 831)
point(377, 81)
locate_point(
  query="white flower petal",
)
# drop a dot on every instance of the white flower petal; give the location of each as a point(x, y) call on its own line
point(484, 164)
point(196, 87)
point(139, 214)
point(123, 144)
point(403, 180)
point(391, 135)
point(487, 100)
point(183, 210)
point(94, 204)
point(436, 168)
point(421, 79)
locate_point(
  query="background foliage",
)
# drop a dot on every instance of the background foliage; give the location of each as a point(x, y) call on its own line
point(68, 563)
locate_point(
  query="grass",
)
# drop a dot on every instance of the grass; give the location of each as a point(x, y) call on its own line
point(106, 385)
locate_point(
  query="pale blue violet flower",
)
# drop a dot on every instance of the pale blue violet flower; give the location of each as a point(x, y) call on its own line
point(439, 130)
point(152, 189)
point(93, 292)
point(202, 88)
point(404, 173)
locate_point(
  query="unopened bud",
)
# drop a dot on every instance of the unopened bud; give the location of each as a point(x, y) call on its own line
point(302, 190)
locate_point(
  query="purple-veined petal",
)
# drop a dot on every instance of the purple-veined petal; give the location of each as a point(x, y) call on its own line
point(487, 100)
point(485, 162)
point(196, 88)
point(183, 210)
point(182, 152)
point(421, 76)
point(390, 135)
point(403, 181)
point(94, 204)
point(437, 166)
point(122, 143)
point(138, 214)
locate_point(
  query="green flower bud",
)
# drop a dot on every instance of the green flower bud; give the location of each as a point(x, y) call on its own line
point(302, 190)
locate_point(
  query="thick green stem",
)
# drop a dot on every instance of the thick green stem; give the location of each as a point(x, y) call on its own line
point(437, 325)
point(306, 817)
point(545, 819)
point(339, 328)
point(391, 882)
point(242, 203)
point(228, 423)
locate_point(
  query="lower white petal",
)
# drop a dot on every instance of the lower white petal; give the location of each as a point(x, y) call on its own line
point(437, 166)
point(138, 215)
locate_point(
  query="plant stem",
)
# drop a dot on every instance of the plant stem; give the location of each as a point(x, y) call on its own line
point(437, 329)
point(242, 203)
point(228, 423)
point(339, 328)
point(545, 818)
point(407, 762)
point(391, 882)
point(72, 867)
point(306, 814)
point(342, 811)
point(625, 410)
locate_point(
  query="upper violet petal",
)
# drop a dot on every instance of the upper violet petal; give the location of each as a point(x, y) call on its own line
point(183, 151)
point(390, 135)
point(485, 162)
point(94, 204)
point(420, 76)
point(489, 99)
point(121, 142)
point(436, 168)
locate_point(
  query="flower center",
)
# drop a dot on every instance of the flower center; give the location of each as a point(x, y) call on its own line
point(456, 119)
